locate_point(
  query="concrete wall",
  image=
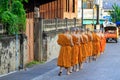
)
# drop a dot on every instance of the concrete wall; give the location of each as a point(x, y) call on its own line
point(53, 47)
point(50, 47)
point(12, 53)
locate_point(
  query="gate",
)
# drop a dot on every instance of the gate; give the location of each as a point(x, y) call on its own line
point(30, 36)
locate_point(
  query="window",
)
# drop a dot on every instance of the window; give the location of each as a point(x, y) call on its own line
point(88, 4)
point(73, 6)
point(67, 5)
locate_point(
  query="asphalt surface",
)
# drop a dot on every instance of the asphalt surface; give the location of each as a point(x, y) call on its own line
point(31, 73)
point(106, 67)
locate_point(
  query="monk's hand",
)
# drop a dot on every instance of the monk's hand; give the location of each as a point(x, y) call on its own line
point(72, 44)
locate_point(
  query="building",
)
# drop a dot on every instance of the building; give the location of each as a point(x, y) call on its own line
point(49, 9)
point(89, 11)
point(46, 9)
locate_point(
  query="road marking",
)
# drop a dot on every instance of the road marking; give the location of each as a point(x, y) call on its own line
point(7, 74)
point(44, 75)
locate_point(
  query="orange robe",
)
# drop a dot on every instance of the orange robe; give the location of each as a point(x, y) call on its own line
point(64, 58)
point(103, 43)
point(75, 50)
point(80, 56)
point(96, 44)
point(90, 46)
point(87, 45)
point(84, 47)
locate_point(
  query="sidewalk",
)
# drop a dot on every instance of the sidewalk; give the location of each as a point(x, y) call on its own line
point(31, 73)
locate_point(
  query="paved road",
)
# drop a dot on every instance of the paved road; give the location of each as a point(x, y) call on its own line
point(106, 67)
point(31, 72)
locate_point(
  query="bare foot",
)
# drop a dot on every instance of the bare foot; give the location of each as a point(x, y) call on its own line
point(68, 73)
point(81, 67)
point(77, 70)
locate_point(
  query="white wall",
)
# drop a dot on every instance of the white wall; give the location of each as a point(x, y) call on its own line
point(88, 13)
point(79, 9)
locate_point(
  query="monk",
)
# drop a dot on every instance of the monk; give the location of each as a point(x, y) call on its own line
point(80, 55)
point(75, 49)
point(103, 42)
point(96, 45)
point(64, 58)
point(99, 42)
point(90, 46)
point(84, 46)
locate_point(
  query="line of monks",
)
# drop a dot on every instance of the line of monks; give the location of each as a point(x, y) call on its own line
point(79, 46)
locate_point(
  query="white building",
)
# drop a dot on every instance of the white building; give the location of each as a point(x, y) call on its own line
point(88, 8)
point(89, 13)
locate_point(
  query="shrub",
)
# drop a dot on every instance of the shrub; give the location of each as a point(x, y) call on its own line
point(17, 9)
point(13, 16)
point(11, 21)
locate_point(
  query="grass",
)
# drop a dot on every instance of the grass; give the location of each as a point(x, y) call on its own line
point(31, 64)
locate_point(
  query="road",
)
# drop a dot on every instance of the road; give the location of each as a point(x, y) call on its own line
point(106, 67)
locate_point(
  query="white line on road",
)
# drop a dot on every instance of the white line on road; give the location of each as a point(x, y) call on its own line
point(7, 74)
point(44, 75)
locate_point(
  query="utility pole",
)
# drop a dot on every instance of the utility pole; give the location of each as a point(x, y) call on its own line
point(97, 3)
point(97, 6)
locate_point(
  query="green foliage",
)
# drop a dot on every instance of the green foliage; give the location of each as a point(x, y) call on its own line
point(10, 20)
point(33, 63)
point(115, 13)
point(12, 14)
point(23, 0)
point(17, 9)
point(3, 6)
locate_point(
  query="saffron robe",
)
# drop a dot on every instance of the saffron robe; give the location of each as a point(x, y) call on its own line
point(80, 56)
point(96, 45)
point(64, 58)
point(84, 47)
point(90, 46)
point(75, 49)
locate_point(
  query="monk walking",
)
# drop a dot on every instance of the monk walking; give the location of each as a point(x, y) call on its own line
point(75, 49)
point(80, 55)
point(90, 46)
point(64, 58)
point(84, 45)
point(96, 45)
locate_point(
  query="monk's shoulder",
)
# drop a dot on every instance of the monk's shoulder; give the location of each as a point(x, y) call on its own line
point(60, 35)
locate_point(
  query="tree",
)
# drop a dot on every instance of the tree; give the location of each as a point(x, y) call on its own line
point(17, 9)
point(115, 13)
point(10, 20)
point(12, 14)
